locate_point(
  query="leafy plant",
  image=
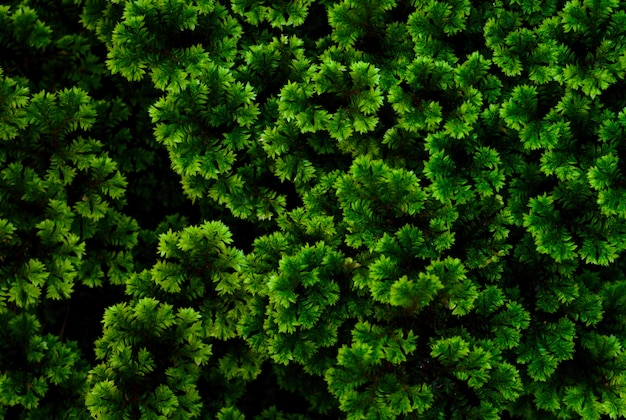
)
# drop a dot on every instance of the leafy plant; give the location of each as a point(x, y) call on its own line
point(312, 209)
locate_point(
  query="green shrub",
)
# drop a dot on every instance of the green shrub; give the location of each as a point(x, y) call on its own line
point(362, 209)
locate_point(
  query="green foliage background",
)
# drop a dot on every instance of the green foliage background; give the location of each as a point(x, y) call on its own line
point(362, 209)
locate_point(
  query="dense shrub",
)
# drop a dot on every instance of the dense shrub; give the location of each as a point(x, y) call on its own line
point(362, 209)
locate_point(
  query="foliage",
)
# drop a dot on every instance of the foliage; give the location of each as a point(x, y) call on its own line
point(367, 209)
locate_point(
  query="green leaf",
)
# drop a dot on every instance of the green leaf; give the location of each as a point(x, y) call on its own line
point(415, 294)
point(450, 350)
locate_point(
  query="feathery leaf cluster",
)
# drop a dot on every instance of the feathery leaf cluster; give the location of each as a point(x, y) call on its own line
point(362, 209)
